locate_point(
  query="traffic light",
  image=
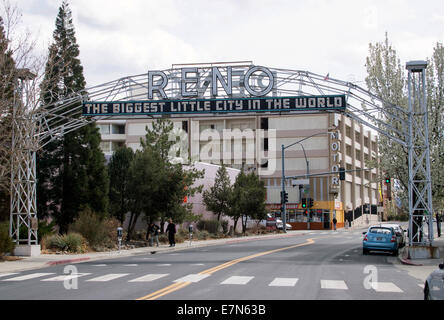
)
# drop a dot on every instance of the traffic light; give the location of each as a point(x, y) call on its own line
point(284, 197)
point(310, 202)
point(342, 174)
point(387, 180)
point(304, 203)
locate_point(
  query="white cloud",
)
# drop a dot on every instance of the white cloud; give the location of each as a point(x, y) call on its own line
point(119, 38)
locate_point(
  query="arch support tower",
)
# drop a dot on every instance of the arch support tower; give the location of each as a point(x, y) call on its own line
point(420, 183)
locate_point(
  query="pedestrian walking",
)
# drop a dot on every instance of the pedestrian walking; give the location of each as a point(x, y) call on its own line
point(171, 229)
point(153, 231)
point(438, 223)
point(334, 223)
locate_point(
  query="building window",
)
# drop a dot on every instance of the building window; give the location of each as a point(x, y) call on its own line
point(105, 146)
point(118, 129)
point(265, 144)
point(185, 126)
point(104, 128)
point(264, 123)
point(348, 131)
point(366, 142)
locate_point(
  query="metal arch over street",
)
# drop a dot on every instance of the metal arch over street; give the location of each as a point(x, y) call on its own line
point(207, 82)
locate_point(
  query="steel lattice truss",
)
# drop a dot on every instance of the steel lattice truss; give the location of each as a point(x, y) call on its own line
point(65, 115)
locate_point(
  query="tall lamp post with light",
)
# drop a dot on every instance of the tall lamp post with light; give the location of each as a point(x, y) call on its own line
point(283, 192)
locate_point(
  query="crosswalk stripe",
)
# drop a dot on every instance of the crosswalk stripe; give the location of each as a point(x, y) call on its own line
point(385, 287)
point(7, 274)
point(333, 284)
point(149, 277)
point(108, 277)
point(67, 277)
point(28, 276)
point(283, 282)
point(192, 278)
point(237, 280)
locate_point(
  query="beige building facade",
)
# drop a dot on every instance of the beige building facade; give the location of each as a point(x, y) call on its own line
point(253, 141)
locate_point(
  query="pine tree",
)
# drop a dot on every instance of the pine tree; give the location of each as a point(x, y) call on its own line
point(7, 87)
point(216, 199)
point(119, 180)
point(71, 171)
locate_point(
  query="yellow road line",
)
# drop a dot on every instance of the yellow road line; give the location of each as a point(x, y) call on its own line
point(179, 285)
point(165, 291)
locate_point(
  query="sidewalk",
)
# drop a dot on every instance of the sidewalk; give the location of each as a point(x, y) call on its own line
point(46, 260)
point(437, 242)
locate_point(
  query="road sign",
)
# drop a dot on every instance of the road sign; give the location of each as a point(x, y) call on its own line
point(296, 182)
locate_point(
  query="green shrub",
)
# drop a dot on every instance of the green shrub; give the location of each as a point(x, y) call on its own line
point(72, 242)
point(203, 235)
point(6, 243)
point(212, 226)
point(53, 242)
point(163, 238)
point(91, 227)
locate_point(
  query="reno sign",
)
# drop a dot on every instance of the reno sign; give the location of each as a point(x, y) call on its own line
point(211, 90)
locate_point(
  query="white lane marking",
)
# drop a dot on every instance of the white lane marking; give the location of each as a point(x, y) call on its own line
point(130, 265)
point(99, 265)
point(192, 278)
point(197, 264)
point(237, 280)
point(385, 287)
point(149, 277)
point(67, 277)
point(283, 282)
point(108, 277)
point(333, 284)
point(164, 265)
point(28, 276)
point(7, 274)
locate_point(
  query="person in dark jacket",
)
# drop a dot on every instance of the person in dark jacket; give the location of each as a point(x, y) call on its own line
point(171, 229)
point(153, 231)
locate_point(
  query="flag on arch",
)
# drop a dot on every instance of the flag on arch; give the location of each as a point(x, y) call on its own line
point(327, 76)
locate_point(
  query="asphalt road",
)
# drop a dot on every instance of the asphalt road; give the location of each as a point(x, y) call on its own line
point(319, 265)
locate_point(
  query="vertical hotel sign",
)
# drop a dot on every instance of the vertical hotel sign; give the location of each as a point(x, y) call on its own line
point(335, 159)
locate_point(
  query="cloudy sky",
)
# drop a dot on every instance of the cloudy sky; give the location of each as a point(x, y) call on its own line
point(120, 38)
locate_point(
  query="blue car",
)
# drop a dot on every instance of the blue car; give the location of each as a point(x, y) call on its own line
point(381, 239)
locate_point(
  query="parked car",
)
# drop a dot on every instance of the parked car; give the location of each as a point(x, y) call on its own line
point(400, 232)
point(280, 224)
point(434, 284)
point(380, 238)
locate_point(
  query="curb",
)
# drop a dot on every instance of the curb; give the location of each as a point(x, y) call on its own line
point(53, 263)
point(409, 262)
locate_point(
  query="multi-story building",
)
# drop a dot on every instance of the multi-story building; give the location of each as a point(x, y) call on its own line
point(329, 141)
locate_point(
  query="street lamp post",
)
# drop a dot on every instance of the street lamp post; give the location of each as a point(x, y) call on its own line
point(284, 211)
